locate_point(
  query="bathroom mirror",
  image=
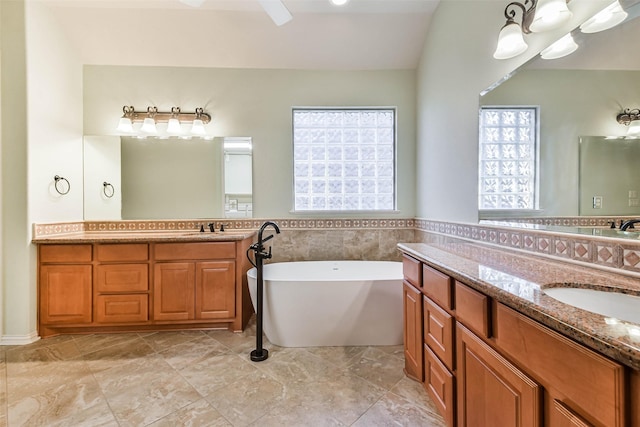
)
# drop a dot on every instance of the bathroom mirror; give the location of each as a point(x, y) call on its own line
point(127, 178)
point(578, 95)
point(614, 189)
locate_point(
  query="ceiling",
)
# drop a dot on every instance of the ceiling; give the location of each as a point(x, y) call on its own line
point(362, 35)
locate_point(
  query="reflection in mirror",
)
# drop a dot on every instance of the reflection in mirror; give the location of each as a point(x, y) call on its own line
point(166, 178)
point(614, 189)
point(580, 94)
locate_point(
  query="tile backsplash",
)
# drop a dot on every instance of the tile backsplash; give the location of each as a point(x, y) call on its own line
point(376, 239)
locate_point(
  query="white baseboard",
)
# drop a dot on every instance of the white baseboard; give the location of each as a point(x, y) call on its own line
point(19, 339)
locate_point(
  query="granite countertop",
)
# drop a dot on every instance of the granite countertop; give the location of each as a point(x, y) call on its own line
point(145, 236)
point(518, 281)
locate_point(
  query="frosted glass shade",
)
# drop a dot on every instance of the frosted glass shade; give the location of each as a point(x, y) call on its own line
point(634, 129)
point(173, 127)
point(510, 42)
point(563, 47)
point(198, 128)
point(607, 18)
point(149, 126)
point(550, 14)
point(125, 125)
point(339, 2)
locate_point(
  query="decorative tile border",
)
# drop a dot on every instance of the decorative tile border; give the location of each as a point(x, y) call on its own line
point(612, 254)
point(565, 221)
point(41, 230)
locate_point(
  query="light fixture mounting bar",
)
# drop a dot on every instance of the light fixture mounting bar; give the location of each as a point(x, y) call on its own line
point(628, 116)
point(163, 117)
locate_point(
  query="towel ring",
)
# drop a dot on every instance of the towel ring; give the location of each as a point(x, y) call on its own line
point(61, 180)
point(108, 190)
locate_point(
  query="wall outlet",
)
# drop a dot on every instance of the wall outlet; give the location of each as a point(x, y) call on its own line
point(633, 194)
point(597, 202)
point(634, 202)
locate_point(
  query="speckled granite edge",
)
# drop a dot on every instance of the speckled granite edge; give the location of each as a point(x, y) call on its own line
point(517, 280)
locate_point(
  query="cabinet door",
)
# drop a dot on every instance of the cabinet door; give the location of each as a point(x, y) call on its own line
point(65, 294)
point(562, 416)
point(413, 365)
point(173, 291)
point(438, 332)
point(491, 391)
point(439, 383)
point(215, 290)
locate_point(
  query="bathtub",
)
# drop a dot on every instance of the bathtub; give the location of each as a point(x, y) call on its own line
point(331, 303)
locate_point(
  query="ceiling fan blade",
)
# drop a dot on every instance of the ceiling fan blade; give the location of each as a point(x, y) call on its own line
point(192, 3)
point(277, 11)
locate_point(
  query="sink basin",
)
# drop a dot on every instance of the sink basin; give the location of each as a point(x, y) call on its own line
point(610, 304)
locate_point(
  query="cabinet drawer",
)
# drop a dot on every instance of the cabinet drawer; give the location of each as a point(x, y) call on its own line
point(184, 251)
point(585, 382)
point(65, 253)
point(472, 309)
point(439, 383)
point(132, 252)
point(438, 286)
point(122, 278)
point(411, 270)
point(438, 332)
point(122, 308)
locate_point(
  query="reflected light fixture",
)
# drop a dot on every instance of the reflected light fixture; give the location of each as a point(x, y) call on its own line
point(174, 120)
point(607, 18)
point(339, 2)
point(563, 47)
point(536, 16)
point(630, 117)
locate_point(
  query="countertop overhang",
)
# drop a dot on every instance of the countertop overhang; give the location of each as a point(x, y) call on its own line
point(518, 280)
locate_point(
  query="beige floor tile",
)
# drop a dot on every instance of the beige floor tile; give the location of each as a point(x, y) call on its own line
point(291, 365)
point(414, 392)
point(117, 354)
point(339, 356)
point(197, 414)
point(378, 367)
point(244, 401)
point(216, 372)
point(191, 352)
point(393, 410)
point(161, 341)
point(97, 342)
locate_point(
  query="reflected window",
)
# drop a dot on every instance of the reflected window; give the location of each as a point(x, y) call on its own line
point(344, 159)
point(508, 158)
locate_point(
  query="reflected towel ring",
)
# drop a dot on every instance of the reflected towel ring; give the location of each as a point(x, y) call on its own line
point(61, 180)
point(105, 189)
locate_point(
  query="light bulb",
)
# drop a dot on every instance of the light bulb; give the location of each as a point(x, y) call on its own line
point(198, 128)
point(607, 18)
point(634, 130)
point(125, 125)
point(510, 41)
point(149, 126)
point(339, 2)
point(550, 14)
point(173, 127)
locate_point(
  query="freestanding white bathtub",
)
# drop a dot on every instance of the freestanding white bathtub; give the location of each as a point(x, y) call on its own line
point(331, 303)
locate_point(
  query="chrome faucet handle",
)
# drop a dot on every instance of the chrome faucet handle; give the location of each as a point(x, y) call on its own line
point(202, 228)
point(212, 227)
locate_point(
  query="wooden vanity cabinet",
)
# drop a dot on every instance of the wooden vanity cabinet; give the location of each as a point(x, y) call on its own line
point(486, 364)
point(65, 278)
point(413, 357)
point(101, 287)
point(121, 293)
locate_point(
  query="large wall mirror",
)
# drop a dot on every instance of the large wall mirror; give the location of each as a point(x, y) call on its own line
point(579, 95)
point(127, 178)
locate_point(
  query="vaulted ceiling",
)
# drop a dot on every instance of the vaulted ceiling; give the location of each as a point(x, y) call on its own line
point(364, 34)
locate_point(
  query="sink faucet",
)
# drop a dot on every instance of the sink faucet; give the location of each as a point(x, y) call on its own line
point(629, 224)
point(212, 227)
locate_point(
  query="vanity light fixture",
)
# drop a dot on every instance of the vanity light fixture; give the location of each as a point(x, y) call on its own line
point(630, 117)
point(536, 16)
point(173, 126)
point(339, 2)
point(607, 18)
point(563, 47)
point(197, 128)
point(174, 120)
point(149, 122)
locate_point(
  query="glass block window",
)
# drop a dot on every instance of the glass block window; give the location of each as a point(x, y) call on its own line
point(344, 159)
point(508, 157)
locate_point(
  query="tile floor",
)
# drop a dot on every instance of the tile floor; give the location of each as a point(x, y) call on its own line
point(204, 378)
